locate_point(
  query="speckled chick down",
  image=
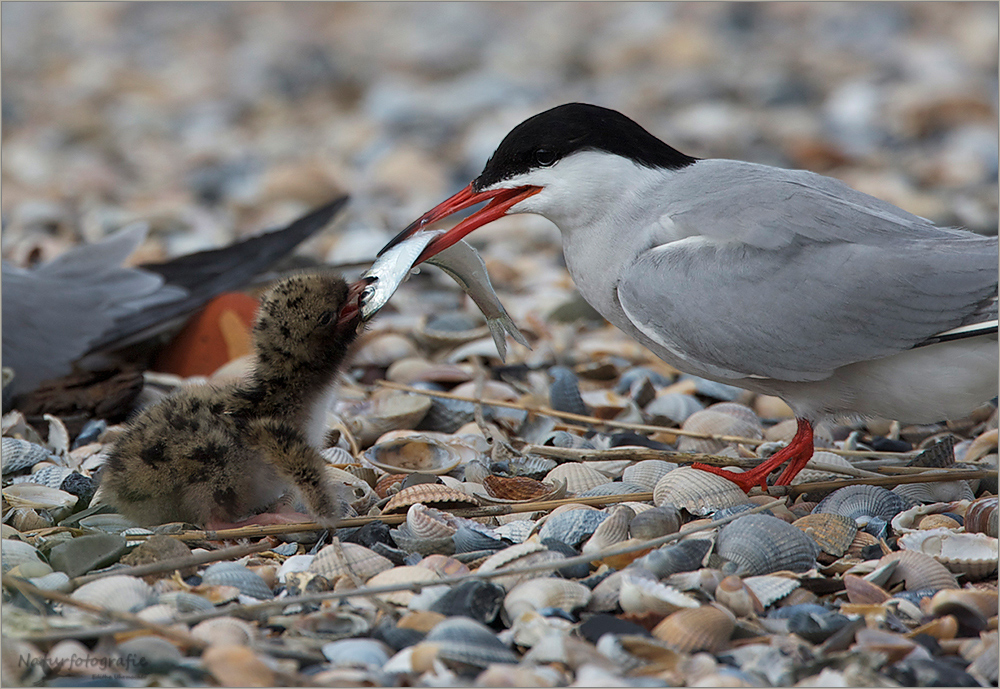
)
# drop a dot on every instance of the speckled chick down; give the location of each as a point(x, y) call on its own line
point(224, 453)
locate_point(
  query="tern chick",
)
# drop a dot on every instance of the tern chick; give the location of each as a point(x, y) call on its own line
point(214, 455)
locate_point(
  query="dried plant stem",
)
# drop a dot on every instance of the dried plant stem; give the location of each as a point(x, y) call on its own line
point(179, 562)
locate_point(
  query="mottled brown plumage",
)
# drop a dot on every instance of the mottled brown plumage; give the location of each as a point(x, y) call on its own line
point(214, 455)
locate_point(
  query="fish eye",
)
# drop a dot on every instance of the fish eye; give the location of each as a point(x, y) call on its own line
point(326, 318)
point(545, 157)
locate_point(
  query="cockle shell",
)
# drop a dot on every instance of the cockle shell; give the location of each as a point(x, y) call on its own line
point(858, 502)
point(639, 595)
point(918, 571)
point(705, 628)
point(974, 555)
point(860, 590)
point(733, 593)
point(224, 630)
point(935, 491)
point(233, 574)
point(910, 520)
point(430, 494)
point(362, 562)
point(719, 420)
point(517, 488)
point(699, 492)
point(20, 454)
point(544, 592)
point(401, 575)
point(981, 516)
point(613, 488)
point(612, 530)
point(811, 473)
point(385, 411)
point(515, 557)
point(118, 592)
point(647, 472)
point(412, 454)
point(577, 477)
point(463, 640)
point(672, 408)
point(389, 484)
point(516, 531)
point(684, 556)
point(655, 522)
point(833, 533)
point(760, 544)
point(770, 588)
point(572, 527)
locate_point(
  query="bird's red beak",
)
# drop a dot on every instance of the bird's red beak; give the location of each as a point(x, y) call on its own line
point(500, 200)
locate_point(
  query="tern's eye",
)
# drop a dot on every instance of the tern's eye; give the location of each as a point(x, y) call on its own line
point(544, 157)
point(326, 318)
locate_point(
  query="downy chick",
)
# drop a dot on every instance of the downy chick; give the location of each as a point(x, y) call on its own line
point(213, 455)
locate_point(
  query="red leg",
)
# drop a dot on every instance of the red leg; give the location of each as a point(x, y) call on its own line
point(796, 453)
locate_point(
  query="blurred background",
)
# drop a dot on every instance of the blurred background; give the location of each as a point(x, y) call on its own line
point(216, 120)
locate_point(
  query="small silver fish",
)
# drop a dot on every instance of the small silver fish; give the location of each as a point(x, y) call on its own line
point(461, 262)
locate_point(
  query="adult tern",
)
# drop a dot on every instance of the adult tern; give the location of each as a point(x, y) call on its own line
point(783, 282)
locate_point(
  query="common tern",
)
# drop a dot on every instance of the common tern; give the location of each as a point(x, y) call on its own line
point(783, 282)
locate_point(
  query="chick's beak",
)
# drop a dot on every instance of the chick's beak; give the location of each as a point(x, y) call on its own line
point(351, 309)
point(500, 201)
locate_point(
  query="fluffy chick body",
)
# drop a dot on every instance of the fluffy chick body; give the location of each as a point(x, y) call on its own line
point(217, 454)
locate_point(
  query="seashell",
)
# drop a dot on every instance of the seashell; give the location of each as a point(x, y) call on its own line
point(48, 475)
point(118, 592)
point(833, 533)
point(716, 420)
point(639, 595)
point(451, 329)
point(413, 454)
point(515, 557)
point(571, 527)
point(647, 472)
point(53, 581)
point(685, 556)
point(706, 628)
point(363, 562)
point(984, 444)
point(185, 602)
point(415, 369)
point(365, 653)
point(938, 521)
point(564, 392)
point(760, 544)
point(382, 349)
point(938, 491)
point(655, 522)
point(862, 591)
point(971, 554)
point(577, 477)
point(468, 539)
point(964, 603)
point(532, 466)
point(516, 531)
point(34, 496)
point(699, 492)
point(613, 488)
point(918, 571)
point(15, 553)
point(224, 631)
point(860, 502)
point(612, 530)
point(389, 484)
point(769, 589)
point(384, 411)
point(981, 516)
point(549, 592)
point(430, 494)
point(400, 575)
point(672, 408)
point(479, 600)
point(20, 454)
point(24, 519)
point(233, 574)
point(463, 640)
point(811, 473)
point(735, 595)
point(429, 523)
point(517, 488)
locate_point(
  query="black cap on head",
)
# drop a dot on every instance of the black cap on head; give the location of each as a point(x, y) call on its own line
point(545, 138)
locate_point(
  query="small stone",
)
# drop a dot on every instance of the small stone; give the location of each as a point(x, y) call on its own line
point(81, 555)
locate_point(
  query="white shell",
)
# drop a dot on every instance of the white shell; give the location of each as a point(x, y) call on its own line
point(974, 555)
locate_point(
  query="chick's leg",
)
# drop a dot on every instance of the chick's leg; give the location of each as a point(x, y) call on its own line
point(299, 462)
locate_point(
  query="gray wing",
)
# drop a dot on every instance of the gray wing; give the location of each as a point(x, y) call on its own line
point(53, 314)
point(799, 311)
point(770, 208)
